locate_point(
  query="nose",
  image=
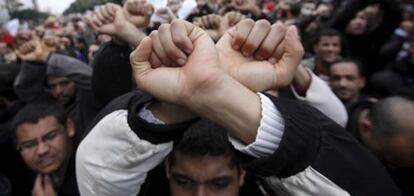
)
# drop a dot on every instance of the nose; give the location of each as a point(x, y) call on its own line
point(42, 148)
point(201, 191)
point(343, 82)
point(58, 89)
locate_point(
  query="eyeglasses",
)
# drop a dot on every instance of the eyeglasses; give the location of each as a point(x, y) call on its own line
point(31, 145)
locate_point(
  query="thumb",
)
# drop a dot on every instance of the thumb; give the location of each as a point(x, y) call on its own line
point(140, 58)
point(48, 186)
point(292, 55)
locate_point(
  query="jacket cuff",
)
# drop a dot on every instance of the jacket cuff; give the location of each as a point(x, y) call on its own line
point(154, 133)
point(269, 133)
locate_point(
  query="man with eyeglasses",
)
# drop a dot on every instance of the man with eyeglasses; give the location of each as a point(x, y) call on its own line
point(44, 139)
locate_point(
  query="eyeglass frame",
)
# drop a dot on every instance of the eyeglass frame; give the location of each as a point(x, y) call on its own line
point(45, 138)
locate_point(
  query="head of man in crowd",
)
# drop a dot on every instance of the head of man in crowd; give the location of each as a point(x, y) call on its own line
point(346, 79)
point(62, 88)
point(44, 137)
point(358, 24)
point(204, 163)
point(388, 130)
point(328, 45)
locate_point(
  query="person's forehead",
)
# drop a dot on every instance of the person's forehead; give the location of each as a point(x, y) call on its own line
point(205, 167)
point(33, 130)
point(51, 80)
point(329, 38)
point(344, 67)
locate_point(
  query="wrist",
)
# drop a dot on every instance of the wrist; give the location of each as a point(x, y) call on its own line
point(130, 34)
point(231, 105)
point(301, 81)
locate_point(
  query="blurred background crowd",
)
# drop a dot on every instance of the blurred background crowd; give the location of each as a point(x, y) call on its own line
point(363, 49)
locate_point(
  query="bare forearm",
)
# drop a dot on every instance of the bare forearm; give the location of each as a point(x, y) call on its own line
point(131, 35)
point(232, 106)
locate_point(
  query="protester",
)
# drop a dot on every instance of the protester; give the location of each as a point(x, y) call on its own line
point(356, 53)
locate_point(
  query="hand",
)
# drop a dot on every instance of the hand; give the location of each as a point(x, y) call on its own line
point(52, 42)
point(34, 50)
point(109, 19)
point(178, 84)
point(229, 20)
point(166, 13)
point(138, 12)
point(200, 85)
point(246, 5)
point(259, 55)
point(24, 36)
point(43, 186)
point(211, 24)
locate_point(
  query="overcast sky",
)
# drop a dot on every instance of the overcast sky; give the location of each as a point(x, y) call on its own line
point(53, 6)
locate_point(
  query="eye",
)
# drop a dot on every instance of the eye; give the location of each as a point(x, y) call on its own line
point(28, 145)
point(220, 184)
point(51, 135)
point(181, 181)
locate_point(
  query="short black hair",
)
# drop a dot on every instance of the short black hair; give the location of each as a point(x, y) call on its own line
point(206, 138)
point(359, 65)
point(329, 32)
point(33, 112)
point(382, 116)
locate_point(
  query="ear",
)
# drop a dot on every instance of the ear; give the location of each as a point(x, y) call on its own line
point(70, 127)
point(315, 48)
point(362, 82)
point(242, 175)
point(365, 126)
point(167, 167)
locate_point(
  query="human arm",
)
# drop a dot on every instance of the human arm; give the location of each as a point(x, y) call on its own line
point(29, 83)
point(135, 143)
point(110, 19)
point(314, 91)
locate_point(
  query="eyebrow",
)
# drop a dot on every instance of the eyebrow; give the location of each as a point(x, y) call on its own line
point(34, 139)
point(219, 178)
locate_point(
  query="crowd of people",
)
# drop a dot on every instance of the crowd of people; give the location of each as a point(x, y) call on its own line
point(211, 97)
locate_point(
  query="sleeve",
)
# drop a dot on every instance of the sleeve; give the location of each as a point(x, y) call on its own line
point(111, 61)
point(122, 147)
point(320, 96)
point(76, 70)
point(114, 160)
point(29, 83)
point(269, 133)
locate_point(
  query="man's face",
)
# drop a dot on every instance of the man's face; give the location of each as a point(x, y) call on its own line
point(328, 48)
point(203, 175)
point(345, 80)
point(62, 88)
point(399, 150)
point(44, 145)
point(358, 24)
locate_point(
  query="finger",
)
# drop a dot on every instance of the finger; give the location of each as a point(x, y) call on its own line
point(256, 37)
point(172, 51)
point(159, 49)
point(38, 186)
point(139, 59)
point(272, 41)
point(155, 61)
point(242, 32)
point(99, 16)
point(106, 13)
point(292, 55)
point(48, 185)
point(180, 31)
point(140, 56)
point(149, 9)
point(96, 21)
